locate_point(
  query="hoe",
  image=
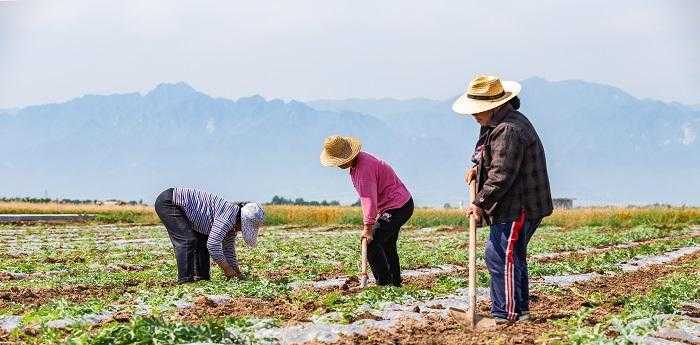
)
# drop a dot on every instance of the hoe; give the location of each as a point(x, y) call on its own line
point(470, 318)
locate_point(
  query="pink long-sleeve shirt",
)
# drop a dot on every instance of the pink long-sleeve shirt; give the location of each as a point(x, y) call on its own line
point(378, 186)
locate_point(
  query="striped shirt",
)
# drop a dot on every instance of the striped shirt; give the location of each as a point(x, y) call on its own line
point(211, 215)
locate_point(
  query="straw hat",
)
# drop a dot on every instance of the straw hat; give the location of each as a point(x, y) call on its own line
point(485, 93)
point(339, 150)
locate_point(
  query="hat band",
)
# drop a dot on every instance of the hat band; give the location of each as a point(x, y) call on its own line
point(486, 98)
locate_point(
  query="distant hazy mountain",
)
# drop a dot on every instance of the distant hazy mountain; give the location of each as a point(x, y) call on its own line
point(603, 145)
point(10, 111)
point(132, 146)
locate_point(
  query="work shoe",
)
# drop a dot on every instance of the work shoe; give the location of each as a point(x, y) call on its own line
point(524, 316)
point(501, 321)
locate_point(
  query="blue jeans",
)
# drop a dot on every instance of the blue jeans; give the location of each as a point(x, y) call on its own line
point(506, 252)
point(191, 252)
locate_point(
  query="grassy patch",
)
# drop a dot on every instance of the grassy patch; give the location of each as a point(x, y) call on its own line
point(160, 331)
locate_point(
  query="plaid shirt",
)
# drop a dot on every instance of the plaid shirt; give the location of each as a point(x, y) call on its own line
point(511, 169)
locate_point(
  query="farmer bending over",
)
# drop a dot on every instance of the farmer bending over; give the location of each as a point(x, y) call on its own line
point(201, 224)
point(512, 188)
point(386, 203)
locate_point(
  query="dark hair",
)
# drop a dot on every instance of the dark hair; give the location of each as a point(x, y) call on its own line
point(515, 102)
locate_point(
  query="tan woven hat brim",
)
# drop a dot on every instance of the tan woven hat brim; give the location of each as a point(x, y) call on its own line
point(468, 106)
point(328, 160)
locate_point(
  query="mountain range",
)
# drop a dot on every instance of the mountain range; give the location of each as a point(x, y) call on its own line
point(603, 145)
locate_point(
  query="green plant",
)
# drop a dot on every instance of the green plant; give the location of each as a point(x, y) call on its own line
point(151, 330)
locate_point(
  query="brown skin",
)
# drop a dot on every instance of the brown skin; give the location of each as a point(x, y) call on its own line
point(229, 271)
point(367, 229)
point(482, 118)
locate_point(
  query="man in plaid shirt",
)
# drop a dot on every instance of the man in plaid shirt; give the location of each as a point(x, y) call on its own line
point(513, 193)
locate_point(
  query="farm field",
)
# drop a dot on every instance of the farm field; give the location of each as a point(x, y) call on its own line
point(597, 276)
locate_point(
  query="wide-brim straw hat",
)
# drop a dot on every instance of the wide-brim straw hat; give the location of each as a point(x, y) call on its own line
point(485, 93)
point(339, 150)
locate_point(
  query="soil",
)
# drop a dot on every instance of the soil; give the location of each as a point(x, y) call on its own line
point(121, 317)
point(692, 311)
point(125, 267)
point(203, 308)
point(545, 308)
point(281, 308)
point(28, 297)
point(65, 260)
point(448, 229)
point(4, 276)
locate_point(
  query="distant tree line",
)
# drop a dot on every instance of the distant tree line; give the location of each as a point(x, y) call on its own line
point(68, 201)
point(280, 200)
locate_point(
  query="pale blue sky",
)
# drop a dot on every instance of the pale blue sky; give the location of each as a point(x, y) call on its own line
point(54, 51)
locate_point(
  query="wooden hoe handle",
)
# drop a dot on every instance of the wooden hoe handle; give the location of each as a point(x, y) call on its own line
point(363, 264)
point(472, 256)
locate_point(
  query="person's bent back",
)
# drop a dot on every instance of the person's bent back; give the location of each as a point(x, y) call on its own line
point(202, 224)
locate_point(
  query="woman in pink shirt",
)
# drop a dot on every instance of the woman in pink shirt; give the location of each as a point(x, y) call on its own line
point(386, 203)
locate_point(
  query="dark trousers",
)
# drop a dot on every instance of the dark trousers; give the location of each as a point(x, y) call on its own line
point(190, 246)
point(506, 252)
point(382, 254)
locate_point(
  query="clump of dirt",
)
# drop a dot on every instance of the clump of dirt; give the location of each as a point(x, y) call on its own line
point(278, 275)
point(204, 302)
point(690, 310)
point(64, 260)
point(204, 308)
point(125, 267)
point(13, 255)
point(337, 272)
point(310, 306)
point(5, 276)
point(352, 282)
point(121, 317)
point(365, 316)
point(449, 229)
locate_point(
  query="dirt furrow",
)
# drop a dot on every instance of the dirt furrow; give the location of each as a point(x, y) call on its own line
point(558, 256)
point(31, 297)
point(545, 308)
